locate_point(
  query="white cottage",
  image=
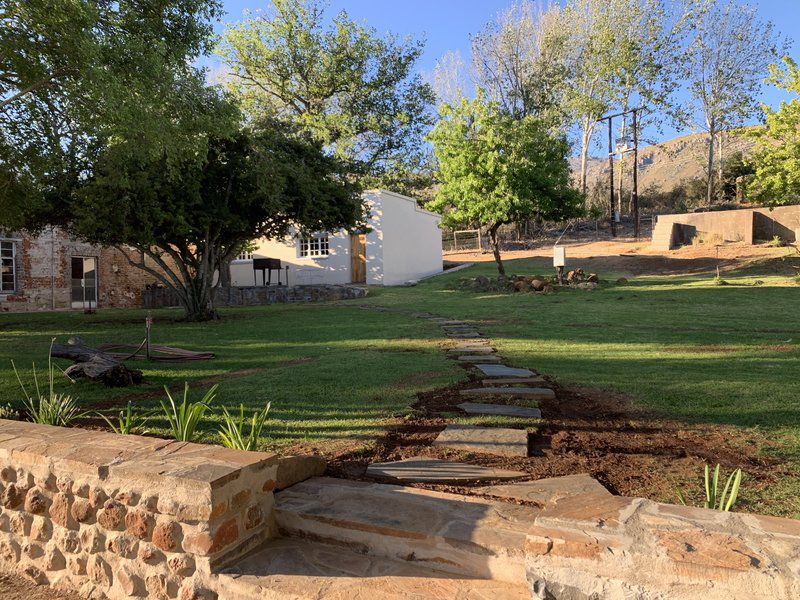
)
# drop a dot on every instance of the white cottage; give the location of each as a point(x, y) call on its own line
point(404, 244)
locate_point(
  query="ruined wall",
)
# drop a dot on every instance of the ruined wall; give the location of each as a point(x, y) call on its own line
point(43, 270)
point(127, 516)
point(261, 295)
point(745, 225)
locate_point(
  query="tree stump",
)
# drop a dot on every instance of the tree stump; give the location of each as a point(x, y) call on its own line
point(95, 365)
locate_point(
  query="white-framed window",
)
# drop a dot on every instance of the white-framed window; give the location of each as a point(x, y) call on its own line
point(8, 266)
point(245, 256)
point(314, 245)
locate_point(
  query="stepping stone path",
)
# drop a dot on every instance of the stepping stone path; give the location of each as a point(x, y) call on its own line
point(471, 350)
point(546, 491)
point(527, 392)
point(480, 358)
point(487, 440)
point(503, 410)
point(421, 469)
point(504, 371)
point(514, 381)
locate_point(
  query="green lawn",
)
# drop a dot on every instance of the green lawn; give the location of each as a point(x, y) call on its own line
point(679, 345)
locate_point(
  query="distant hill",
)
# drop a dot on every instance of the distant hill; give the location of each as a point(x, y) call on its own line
point(665, 165)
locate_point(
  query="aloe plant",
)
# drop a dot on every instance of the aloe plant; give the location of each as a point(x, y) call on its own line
point(714, 500)
point(128, 421)
point(184, 418)
point(50, 408)
point(232, 431)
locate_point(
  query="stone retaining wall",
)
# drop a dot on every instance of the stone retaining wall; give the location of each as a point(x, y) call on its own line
point(260, 295)
point(127, 516)
point(597, 546)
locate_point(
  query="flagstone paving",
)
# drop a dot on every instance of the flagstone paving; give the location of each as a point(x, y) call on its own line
point(487, 440)
point(422, 469)
point(504, 410)
point(546, 491)
point(504, 371)
point(471, 350)
point(479, 358)
point(527, 392)
point(463, 336)
point(514, 381)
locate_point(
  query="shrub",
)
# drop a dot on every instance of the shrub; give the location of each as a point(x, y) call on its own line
point(713, 500)
point(128, 421)
point(51, 408)
point(232, 431)
point(184, 418)
point(8, 412)
point(776, 242)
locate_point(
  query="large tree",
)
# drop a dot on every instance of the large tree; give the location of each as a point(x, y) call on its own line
point(74, 73)
point(183, 225)
point(776, 158)
point(350, 87)
point(494, 169)
point(725, 60)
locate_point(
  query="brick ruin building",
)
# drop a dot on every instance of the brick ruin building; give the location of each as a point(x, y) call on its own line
point(53, 271)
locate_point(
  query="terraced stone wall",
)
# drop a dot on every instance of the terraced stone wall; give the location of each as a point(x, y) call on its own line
point(119, 516)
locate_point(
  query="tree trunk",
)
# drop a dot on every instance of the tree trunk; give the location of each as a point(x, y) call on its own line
point(225, 277)
point(496, 248)
point(585, 137)
point(710, 181)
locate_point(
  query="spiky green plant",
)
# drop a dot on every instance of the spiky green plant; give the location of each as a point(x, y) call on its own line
point(50, 408)
point(232, 431)
point(184, 418)
point(128, 420)
point(714, 500)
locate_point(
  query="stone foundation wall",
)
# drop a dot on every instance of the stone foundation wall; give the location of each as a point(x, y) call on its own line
point(261, 295)
point(597, 546)
point(127, 516)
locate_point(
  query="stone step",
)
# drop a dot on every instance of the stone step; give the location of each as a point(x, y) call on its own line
point(480, 358)
point(504, 371)
point(463, 336)
point(537, 393)
point(475, 343)
point(300, 569)
point(514, 381)
point(471, 350)
point(546, 491)
point(423, 469)
point(458, 534)
point(487, 440)
point(503, 410)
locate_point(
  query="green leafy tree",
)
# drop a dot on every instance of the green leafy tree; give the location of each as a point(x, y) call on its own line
point(776, 159)
point(182, 225)
point(74, 73)
point(494, 169)
point(353, 89)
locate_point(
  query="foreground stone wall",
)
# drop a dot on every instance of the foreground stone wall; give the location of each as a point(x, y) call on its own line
point(261, 295)
point(597, 546)
point(127, 516)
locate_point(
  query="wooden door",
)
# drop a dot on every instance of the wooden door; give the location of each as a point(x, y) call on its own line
point(358, 257)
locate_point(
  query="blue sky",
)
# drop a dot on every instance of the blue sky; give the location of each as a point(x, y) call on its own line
point(447, 24)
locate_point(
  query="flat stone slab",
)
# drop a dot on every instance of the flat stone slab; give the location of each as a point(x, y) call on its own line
point(547, 491)
point(480, 358)
point(504, 371)
point(471, 350)
point(487, 440)
point(503, 410)
point(513, 381)
point(464, 336)
point(527, 392)
point(421, 469)
point(477, 343)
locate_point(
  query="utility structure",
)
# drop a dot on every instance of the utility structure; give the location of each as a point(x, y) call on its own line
point(622, 147)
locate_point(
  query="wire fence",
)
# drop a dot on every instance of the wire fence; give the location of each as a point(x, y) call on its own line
point(463, 240)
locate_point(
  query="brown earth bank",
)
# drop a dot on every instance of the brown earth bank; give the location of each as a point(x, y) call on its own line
point(584, 430)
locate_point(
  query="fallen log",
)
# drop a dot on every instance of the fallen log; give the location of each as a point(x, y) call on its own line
point(95, 364)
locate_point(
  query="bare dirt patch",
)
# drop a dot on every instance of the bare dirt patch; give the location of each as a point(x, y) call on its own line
point(584, 430)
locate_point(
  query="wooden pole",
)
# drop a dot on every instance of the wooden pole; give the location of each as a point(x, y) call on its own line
point(635, 193)
point(611, 177)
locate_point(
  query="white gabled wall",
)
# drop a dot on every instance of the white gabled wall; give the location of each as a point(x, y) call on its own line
point(404, 243)
point(412, 240)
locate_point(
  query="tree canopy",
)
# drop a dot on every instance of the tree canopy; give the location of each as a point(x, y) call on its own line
point(353, 89)
point(494, 169)
point(776, 159)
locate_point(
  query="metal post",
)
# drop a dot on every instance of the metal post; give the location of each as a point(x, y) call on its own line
point(148, 326)
point(635, 193)
point(611, 178)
